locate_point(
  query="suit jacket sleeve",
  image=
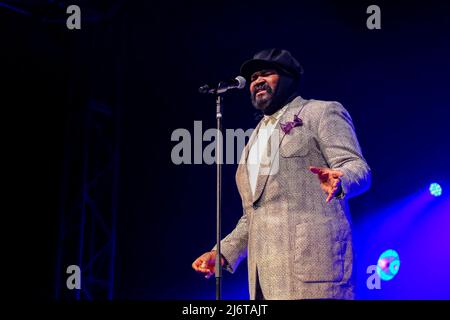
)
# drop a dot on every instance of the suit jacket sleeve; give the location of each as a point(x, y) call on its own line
point(342, 150)
point(234, 245)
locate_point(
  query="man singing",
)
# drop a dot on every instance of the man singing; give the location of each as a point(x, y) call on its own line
point(296, 227)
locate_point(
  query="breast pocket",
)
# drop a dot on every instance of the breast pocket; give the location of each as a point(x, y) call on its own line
point(318, 253)
point(296, 144)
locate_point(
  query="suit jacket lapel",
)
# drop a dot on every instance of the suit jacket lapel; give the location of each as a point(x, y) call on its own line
point(242, 177)
point(294, 108)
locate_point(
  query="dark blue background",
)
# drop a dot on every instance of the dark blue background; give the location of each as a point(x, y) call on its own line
point(394, 82)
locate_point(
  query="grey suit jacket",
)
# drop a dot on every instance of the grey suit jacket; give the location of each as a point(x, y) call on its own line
point(299, 246)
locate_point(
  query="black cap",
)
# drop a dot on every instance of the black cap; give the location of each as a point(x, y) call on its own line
point(278, 59)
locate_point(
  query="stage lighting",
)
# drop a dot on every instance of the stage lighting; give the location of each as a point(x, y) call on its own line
point(435, 189)
point(388, 265)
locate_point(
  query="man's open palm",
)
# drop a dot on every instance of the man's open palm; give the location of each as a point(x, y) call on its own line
point(330, 181)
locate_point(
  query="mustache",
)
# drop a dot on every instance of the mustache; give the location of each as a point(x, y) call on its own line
point(260, 87)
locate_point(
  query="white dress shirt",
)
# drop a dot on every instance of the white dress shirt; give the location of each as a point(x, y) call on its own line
point(259, 147)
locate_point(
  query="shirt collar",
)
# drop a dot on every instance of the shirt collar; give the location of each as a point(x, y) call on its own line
point(273, 118)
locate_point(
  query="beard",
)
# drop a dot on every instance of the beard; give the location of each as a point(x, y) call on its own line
point(264, 100)
point(271, 101)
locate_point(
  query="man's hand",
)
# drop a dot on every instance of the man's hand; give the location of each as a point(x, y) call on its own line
point(206, 263)
point(330, 181)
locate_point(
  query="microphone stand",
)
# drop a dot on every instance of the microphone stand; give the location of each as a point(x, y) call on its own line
point(218, 264)
point(221, 88)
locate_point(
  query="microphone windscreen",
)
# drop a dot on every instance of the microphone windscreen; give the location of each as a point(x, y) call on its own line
point(241, 80)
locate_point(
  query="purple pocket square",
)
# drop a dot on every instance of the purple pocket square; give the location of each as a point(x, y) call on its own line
point(288, 126)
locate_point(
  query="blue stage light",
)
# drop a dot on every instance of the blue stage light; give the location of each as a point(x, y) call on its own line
point(435, 189)
point(388, 265)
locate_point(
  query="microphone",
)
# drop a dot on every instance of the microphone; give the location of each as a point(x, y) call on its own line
point(224, 86)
